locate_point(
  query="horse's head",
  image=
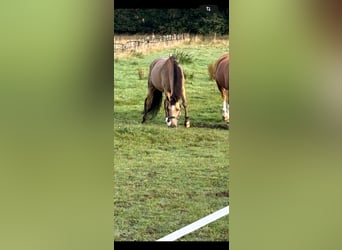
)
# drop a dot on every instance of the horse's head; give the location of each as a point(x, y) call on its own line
point(173, 114)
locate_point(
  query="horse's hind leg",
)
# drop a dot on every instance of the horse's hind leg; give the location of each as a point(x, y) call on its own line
point(228, 106)
point(145, 111)
point(225, 111)
point(147, 104)
point(225, 106)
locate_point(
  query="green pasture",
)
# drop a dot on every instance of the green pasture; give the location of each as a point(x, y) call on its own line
point(166, 178)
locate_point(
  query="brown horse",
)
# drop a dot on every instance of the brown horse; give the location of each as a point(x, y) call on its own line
point(166, 76)
point(221, 75)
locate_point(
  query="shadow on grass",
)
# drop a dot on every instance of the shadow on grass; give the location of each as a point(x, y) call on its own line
point(211, 125)
point(135, 117)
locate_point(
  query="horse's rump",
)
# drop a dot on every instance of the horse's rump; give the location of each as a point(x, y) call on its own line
point(222, 72)
point(166, 75)
point(222, 81)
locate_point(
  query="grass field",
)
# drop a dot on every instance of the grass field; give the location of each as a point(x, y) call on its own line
point(166, 178)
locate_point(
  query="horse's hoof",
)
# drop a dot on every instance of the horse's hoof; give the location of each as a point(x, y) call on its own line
point(225, 118)
point(187, 124)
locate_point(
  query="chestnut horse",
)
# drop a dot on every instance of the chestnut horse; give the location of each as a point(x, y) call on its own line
point(221, 75)
point(166, 76)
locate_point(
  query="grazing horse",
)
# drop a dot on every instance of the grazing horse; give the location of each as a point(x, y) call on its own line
point(221, 73)
point(166, 76)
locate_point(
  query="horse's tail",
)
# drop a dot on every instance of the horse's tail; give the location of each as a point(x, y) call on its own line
point(156, 103)
point(153, 103)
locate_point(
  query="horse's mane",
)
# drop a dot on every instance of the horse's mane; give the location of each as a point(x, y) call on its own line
point(177, 80)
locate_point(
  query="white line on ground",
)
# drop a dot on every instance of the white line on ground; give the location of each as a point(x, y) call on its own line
point(196, 225)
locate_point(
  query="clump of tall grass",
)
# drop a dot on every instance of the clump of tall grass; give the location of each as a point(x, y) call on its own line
point(137, 54)
point(187, 75)
point(141, 73)
point(182, 57)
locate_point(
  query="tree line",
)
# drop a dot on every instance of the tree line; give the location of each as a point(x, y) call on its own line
point(203, 21)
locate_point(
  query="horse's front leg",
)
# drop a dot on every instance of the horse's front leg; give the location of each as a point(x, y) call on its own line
point(166, 112)
point(186, 111)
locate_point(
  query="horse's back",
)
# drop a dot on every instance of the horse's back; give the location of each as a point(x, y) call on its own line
point(156, 72)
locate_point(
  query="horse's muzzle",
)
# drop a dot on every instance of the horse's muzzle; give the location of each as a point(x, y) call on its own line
point(171, 121)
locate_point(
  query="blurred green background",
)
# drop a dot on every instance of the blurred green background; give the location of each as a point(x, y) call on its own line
point(56, 96)
point(285, 139)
